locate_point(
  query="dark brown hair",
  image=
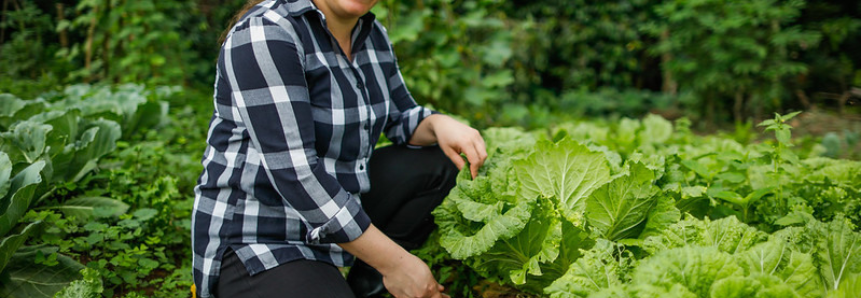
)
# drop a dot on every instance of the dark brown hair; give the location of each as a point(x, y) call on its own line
point(248, 5)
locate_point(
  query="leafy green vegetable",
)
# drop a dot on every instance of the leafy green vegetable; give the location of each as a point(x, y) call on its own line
point(596, 270)
point(792, 268)
point(17, 200)
point(620, 209)
point(694, 267)
point(5, 173)
point(566, 171)
point(727, 234)
point(849, 287)
point(85, 208)
point(88, 287)
point(838, 251)
point(11, 243)
point(24, 279)
point(26, 142)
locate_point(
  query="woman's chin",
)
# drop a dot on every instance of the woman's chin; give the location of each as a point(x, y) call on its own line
point(357, 8)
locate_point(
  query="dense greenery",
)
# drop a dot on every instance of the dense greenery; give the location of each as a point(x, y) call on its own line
point(495, 62)
point(550, 213)
point(96, 179)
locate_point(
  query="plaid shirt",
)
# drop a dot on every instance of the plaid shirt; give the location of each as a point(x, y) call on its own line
point(295, 123)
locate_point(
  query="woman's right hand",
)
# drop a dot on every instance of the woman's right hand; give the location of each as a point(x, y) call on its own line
point(404, 275)
point(412, 279)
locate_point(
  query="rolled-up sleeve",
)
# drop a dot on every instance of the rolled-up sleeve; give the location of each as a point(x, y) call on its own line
point(405, 118)
point(265, 69)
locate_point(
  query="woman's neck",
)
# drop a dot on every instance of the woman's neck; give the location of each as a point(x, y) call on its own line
point(341, 27)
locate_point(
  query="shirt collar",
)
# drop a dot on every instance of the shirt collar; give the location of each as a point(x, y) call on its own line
point(299, 7)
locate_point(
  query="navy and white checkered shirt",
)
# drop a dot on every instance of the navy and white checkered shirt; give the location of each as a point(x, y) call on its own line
point(295, 123)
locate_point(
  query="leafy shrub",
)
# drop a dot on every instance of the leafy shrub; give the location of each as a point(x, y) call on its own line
point(46, 147)
point(730, 51)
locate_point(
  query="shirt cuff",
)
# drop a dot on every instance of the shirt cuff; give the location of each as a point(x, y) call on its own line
point(412, 118)
point(346, 225)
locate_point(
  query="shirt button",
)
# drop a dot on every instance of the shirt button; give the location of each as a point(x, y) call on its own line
point(361, 167)
point(367, 126)
point(360, 85)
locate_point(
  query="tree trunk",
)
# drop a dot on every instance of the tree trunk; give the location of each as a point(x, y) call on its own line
point(841, 101)
point(64, 34)
point(670, 86)
point(88, 47)
point(106, 47)
point(737, 109)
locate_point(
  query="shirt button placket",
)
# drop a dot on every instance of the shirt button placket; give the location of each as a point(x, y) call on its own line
point(363, 94)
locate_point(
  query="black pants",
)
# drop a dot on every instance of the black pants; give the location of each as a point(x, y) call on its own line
point(406, 185)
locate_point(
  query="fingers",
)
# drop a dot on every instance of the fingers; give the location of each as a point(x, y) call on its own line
point(444, 295)
point(438, 293)
point(454, 156)
point(472, 157)
point(476, 154)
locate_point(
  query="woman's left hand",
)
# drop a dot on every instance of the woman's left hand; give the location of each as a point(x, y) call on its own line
point(453, 138)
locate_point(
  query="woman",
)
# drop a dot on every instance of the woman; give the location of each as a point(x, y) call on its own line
point(302, 93)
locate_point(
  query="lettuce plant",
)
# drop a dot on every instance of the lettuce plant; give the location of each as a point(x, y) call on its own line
point(532, 209)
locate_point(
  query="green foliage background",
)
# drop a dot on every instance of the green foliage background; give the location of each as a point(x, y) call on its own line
point(494, 62)
point(527, 63)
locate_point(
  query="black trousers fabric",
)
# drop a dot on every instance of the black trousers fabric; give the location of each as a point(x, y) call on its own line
point(302, 278)
point(406, 185)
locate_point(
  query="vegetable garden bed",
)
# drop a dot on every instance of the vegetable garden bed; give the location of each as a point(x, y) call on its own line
point(646, 209)
point(95, 194)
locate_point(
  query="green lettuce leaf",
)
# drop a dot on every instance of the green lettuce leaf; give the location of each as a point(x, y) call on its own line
point(90, 286)
point(566, 171)
point(512, 141)
point(850, 287)
point(462, 245)
point(656, 130)
point(616, 291)
point(838, 250)
point(727, 234)
point(17, 200)
point(647, 290)
point(26, 142)
point(619, 209)
point(470, 224)
point(24, 279)
point(735, 287)
point(597, 269)
point(5, 173)
point(696, 268)
point(663, 215)
point(794, 269)
point(524, 253)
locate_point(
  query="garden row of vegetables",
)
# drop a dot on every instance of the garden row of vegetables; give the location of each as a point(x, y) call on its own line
point(95, 195)
point(52, 226)
point(648, 209)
